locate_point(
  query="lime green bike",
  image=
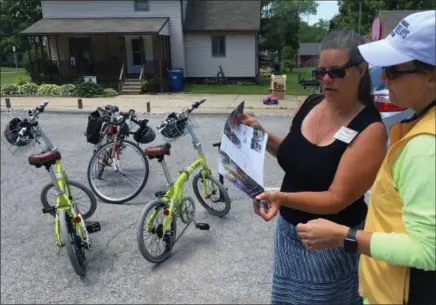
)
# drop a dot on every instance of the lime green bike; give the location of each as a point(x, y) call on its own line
point(70, 228)
point(158, 219)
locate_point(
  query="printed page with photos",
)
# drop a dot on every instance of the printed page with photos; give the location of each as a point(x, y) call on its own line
point(242, 154)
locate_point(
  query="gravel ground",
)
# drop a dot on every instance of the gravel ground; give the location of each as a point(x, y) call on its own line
point(231, 263)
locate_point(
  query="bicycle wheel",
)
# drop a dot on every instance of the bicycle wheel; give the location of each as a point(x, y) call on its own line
point(106, 175)
point(73, 243)
point(220, 195)
point(167, 238)
point(86, 209)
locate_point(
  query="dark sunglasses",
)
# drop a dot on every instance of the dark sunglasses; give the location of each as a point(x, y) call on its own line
point(333, 73)
point(392, 73)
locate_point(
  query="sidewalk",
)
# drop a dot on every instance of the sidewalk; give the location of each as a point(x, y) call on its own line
point(161, 104)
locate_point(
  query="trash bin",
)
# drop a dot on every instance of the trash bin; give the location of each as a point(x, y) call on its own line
point(176, 78)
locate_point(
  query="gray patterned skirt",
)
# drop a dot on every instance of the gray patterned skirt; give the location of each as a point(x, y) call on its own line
point(312, 277)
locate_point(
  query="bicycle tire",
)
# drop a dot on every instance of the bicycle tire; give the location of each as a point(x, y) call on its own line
point(223, 194)
point(87, 191)
point(66, 229)
point(129, 197)
point(157, 203)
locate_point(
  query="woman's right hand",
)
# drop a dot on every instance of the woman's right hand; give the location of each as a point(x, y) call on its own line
point(250, 121)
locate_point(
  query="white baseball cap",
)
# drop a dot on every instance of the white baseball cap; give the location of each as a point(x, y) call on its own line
point(412, 39)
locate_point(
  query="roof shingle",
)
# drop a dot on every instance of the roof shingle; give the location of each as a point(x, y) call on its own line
point(390, 19)
point(209, 15)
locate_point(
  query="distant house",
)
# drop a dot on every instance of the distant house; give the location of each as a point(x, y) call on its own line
point(384, 22)
point(308, 54)
point(123, 41)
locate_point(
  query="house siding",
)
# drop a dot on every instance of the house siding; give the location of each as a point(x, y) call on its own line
point(240, 59)
point(111, 9)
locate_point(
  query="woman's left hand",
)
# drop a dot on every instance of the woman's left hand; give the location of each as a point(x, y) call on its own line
point(321, 234)
point(274, 202)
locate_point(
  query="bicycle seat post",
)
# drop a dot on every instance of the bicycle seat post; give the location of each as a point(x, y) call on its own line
point(165, 170)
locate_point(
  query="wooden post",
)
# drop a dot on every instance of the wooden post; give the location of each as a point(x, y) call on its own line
point(148, 107)
point(161, 75)
point(79, 103)
point(8, 103)
point(49, 47)
point(57, 50)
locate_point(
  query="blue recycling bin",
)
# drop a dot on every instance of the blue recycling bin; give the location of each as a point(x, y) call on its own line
point(176, 77)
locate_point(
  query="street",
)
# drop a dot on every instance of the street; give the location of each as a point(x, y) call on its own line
point(230, 263)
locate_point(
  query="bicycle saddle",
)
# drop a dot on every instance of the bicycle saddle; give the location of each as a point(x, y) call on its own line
point(160, 150)
point(44, 158)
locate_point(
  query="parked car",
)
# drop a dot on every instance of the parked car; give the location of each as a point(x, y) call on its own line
point(390, 113)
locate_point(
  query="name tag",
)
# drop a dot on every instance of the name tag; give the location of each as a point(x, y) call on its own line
point(345, 135)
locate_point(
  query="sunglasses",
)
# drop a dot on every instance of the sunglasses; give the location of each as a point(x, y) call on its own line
point(333, 73)
point(391, 73)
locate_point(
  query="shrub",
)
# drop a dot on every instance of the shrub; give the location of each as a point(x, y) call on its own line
point(20, 81)
point(68, 90)
point(49, 90)
point(28, 89)
point(9, 89)
point(88, 89)
point(287, 66)
point(109, 92)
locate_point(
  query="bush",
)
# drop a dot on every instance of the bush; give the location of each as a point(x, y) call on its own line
point(28, 89)
point(20, 81)
point(88, 89)
point(9, 89)
point(109, 92)
point(49, 90)
point(68, 90)
point(287, 66)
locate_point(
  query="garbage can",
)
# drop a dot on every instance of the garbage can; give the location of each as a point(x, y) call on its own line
point(176, 77)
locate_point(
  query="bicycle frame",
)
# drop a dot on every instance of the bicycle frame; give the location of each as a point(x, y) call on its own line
point(63, 197)
point(174, 195)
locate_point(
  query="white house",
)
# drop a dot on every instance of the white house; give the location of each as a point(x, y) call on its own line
point(123, 40)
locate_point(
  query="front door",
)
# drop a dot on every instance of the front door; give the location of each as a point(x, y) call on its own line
point(135, 53)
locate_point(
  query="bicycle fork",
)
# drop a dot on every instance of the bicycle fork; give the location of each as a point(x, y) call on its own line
point(77, 218)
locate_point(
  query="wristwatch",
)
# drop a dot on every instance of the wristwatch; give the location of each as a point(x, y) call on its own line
point(350, 242)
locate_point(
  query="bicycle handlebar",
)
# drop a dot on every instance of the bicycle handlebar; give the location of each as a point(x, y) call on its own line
point(180, 116)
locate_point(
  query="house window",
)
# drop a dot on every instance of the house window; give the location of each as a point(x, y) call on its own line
point(218, 46)
point(141, 5)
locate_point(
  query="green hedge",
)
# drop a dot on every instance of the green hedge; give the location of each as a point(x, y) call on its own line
point(80, 89)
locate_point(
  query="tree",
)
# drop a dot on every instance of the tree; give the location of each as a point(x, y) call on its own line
point(348, 17)
point(16, 16)
point(280, 23)
point(313, 33)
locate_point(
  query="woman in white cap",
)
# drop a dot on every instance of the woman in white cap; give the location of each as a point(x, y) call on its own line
point(398, 247)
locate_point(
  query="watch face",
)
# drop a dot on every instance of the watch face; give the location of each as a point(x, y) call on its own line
point(350, 245)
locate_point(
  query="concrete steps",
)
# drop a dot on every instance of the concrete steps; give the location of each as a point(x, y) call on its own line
point(131, 86)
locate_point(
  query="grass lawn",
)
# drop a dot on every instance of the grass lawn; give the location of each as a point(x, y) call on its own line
point(293, 88)
point(10, 75)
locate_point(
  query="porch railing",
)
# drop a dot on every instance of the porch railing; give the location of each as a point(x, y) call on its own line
point(108, 73)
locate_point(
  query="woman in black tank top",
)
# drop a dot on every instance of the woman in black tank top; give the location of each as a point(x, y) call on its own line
point(325, 176)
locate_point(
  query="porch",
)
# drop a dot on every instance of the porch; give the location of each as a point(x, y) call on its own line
point(120, 57)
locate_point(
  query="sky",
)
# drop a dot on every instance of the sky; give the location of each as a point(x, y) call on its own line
point(325, 10)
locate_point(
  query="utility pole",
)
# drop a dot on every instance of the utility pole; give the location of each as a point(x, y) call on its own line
point(360, 16)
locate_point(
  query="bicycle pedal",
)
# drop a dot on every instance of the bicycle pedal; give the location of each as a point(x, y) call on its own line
point(49, 210)
point(202, 226)
point(93, 227)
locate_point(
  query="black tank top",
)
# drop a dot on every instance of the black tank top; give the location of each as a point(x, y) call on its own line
point(310, 168)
